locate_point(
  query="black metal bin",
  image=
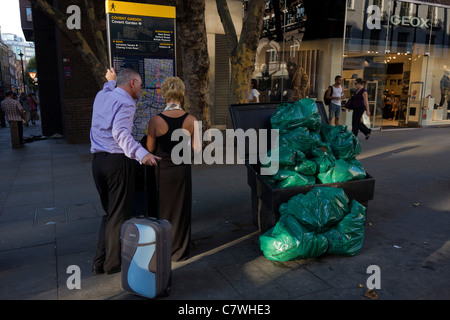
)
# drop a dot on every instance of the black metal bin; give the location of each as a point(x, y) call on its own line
point(266, 200)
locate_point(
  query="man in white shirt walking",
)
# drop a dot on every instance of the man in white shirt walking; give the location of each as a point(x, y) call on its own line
point(335, 95)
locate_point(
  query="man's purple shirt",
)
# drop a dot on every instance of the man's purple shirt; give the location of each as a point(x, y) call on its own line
point(112, 122)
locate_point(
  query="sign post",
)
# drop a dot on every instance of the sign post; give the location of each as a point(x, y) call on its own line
point(142, 37)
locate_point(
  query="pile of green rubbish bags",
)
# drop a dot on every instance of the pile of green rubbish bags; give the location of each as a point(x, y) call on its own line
point(311, 224)
point(322, 220)
point(310, 152)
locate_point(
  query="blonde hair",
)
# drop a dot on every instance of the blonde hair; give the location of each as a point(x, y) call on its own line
point(172, 89)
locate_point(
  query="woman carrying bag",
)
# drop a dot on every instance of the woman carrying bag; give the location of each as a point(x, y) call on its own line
point(359, 103)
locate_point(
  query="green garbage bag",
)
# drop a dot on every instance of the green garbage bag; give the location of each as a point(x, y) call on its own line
point(306, 167)
point(301, 139)
point(356, 169)
point(343, 143)
point(324, 162)
point(346, 238)
point(289, 240)
point(343, 171)
point(287, 178)
point(318, 209)
point(296, 180)
point(325, 132)
point(303, 113)
point(283, 174)
point(286, 156)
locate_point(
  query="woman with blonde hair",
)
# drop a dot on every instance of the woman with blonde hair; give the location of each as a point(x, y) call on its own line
point(175, 187)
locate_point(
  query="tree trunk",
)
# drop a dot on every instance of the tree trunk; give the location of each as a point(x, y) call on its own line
point(243, 53)
point(191, 34)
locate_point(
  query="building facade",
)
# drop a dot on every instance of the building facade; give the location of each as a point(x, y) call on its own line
point(9, 66)
point(399, 47)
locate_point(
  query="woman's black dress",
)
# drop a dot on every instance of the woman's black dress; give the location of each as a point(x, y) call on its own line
point(175, 191)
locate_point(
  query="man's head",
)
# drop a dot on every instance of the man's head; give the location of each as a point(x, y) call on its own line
point(130, 81)
point(8, 94)
point(338, 80)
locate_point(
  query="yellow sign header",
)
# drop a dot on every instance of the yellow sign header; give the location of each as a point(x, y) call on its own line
point(139, 9)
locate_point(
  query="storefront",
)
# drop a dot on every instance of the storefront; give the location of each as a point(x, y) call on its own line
point(400, 48)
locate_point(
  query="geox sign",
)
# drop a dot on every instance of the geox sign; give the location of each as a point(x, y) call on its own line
point(408, 21)
point(374, 20)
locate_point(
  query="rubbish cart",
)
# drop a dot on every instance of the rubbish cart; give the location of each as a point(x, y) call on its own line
point(266, 199)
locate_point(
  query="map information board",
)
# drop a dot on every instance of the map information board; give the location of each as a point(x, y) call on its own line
point(142, 37)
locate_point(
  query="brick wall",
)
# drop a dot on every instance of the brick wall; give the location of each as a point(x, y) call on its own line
point(79, 86)
point(78, 113)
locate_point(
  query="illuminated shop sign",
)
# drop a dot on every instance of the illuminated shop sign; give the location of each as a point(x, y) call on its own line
point(409, 21)
point(374, 20)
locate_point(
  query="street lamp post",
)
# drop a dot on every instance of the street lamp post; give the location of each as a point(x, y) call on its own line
point(23, 73)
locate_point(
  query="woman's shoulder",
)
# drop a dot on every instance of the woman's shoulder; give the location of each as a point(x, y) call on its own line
point(156, 119)
point(361, 91)
point(190, 118)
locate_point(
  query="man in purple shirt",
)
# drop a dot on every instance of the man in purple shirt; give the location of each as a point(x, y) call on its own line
point(115, 152)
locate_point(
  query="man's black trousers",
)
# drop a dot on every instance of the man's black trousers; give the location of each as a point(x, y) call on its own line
point(114, 178)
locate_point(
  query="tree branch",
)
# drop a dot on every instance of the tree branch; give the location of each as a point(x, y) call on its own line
point(75, 37)
point(228, 25)
point(96, 30)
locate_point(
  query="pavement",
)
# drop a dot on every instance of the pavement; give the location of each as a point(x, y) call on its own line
point(50, 213)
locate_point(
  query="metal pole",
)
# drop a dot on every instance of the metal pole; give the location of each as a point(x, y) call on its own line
point(23, 73)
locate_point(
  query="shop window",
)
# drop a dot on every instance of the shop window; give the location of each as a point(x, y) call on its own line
point(273, 57)
point(403, 38)
point(292, 50)
point(300, 14)
point(290, 18)
point(351, 4)
point(348, 32)
point(374, 38)
point(406, 9)
point(379, 3)
point(287, 64)
point(433, 14)
point(28, 12)
point(431, 40)
point(266, 24)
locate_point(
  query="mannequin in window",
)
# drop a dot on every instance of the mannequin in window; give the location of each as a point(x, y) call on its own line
point(445, 87)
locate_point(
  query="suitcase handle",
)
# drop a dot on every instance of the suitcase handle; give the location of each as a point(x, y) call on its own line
point(157, 189)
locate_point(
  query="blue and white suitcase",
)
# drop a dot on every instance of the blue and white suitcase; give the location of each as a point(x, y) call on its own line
point(147, 254)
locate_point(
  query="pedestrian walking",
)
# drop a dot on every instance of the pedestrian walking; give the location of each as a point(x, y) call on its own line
point(14, 114)
point(26, 107)
point(359, 103)
point(334, 94)
point(33, 106)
